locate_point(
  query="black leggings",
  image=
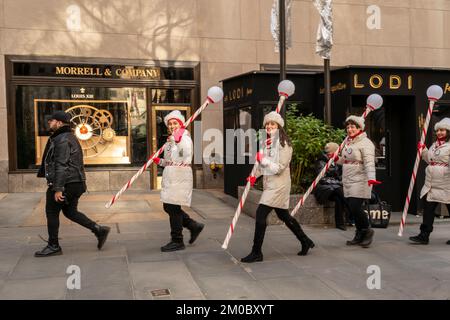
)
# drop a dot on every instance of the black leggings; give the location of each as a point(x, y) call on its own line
point(261, 224)
point(429, 213)
point(178, 220)
point(69, 207)
point(361, 218)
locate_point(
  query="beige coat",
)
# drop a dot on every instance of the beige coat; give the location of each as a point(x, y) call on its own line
point(437, 179)
point(277, 176)
point(177, 181)
point(358, 167)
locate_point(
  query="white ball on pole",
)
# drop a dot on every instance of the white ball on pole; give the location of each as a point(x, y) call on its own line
point(375, 101)
point(286, 87)
point(215, 94)
point(434, 92)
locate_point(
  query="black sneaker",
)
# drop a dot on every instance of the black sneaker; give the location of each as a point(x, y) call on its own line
point(101, 232)
point(252, 257)
point(49, 250)
point(173, 246)
point(195, 231)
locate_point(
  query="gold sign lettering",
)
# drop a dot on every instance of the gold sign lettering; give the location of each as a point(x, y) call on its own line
point(447, 88)
point(355, 82)
point(238, 93)
point(410, 82)
point(379, 81)
point(395, 82)
point(149, 73)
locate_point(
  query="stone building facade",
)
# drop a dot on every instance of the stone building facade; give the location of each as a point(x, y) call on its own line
point(223, 38)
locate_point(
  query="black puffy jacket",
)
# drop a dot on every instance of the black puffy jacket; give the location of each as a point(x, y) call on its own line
point(62, 160)
point(330, 182)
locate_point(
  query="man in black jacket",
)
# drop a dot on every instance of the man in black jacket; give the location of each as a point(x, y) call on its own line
point(62, 166)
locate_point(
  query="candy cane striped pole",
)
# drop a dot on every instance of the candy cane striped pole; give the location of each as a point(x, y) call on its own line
point(215, 94)
point(373, 102)
point(284, 92)
point(433, 94)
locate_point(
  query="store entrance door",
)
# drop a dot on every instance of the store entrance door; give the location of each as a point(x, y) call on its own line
point(400, 152)
point(160, 135)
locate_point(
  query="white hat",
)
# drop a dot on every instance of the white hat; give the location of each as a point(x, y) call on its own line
point(275, 117)
point(443, 124)
point(175, 114)
point(359, 120)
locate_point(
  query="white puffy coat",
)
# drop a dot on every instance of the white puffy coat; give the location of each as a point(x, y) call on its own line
point(437, 179)
point(277, 176)
point(358, 167)
point(177, 181)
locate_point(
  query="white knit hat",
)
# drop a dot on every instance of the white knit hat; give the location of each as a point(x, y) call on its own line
point(175, 114)
point(275, 117)
point(443, 124)
point(359, 120)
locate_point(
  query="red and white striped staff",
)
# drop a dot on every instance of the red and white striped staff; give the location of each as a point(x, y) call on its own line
point(286, 88)
point(434, 93)
point(215, 94)
point(374, 102)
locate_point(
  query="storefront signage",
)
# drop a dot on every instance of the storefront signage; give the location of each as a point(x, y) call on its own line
point(338, 87)
point(377, 81)
point(105, 72)
point(237, 94)
point(447, 88)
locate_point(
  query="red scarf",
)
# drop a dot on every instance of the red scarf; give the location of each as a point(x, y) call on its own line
point(351, 138)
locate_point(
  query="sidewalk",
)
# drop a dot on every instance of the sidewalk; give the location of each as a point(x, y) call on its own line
point(131, 265)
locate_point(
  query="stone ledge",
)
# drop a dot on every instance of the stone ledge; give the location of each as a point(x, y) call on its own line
point(311, 213)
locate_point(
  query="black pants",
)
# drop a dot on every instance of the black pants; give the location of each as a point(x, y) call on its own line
point(72, 193)
point(178, 220)
point(339, 204)
point(361, 218)
point(428, 215)
point(261, 224)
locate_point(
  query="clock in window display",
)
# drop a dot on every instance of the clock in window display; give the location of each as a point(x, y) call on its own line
point(94, 128)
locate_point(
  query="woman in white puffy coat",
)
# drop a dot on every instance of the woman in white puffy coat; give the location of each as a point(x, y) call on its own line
point(358, 177)
point(177, 181)
point(437, 181)
point(274, 163)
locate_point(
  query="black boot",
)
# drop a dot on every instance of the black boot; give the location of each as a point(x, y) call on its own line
point(253, 257)
point(195, 229)
point(307, 244)
point(101, 232)
point(448, 242)
point(173, 246)
point(357, 239)
point(423, 237)
point(367, 237)
point(49, 250)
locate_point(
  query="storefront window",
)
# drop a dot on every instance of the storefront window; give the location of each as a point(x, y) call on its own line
point(110, 123)
point(169, 96)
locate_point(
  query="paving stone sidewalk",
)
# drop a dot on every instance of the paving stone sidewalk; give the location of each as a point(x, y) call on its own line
point(131, 265)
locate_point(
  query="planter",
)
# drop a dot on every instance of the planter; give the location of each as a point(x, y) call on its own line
point(311, 213)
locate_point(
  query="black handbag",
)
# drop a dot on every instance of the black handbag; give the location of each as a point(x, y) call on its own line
point(379, 212)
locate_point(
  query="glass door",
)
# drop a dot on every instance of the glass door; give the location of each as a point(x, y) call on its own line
point(160, 135)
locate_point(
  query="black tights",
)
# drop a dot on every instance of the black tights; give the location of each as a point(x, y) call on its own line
point(261, 224)
point(361, 218)
point(428, 215)
point(178, 220)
